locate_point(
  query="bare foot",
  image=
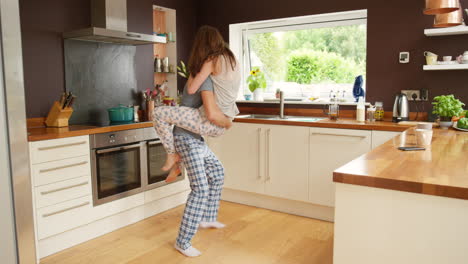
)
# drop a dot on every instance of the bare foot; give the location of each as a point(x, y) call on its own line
point(175, 171)
point(171, 160)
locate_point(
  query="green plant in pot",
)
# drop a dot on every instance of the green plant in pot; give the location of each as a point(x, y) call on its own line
point(257, 83)
point(446, 107)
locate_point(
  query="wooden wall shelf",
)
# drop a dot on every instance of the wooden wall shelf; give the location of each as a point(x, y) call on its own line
point(450, 31)
point(164, 21)
point(453, 67)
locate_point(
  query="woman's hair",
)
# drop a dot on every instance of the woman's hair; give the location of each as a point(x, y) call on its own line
point(208, 45)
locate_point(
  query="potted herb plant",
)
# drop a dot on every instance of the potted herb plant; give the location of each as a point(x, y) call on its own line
point(257, 83)
point(446, 107)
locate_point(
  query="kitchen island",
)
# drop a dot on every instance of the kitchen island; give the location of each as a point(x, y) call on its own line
point(404, 207)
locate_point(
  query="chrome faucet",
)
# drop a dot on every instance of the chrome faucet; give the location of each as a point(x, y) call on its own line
point(281, 105)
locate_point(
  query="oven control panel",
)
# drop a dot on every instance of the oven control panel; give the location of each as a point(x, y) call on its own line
point(122, 137)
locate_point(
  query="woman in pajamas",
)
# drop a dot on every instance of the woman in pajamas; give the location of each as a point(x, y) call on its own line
point(204, 170)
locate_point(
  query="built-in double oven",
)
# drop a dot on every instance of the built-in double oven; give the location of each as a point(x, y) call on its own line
point(126, 163)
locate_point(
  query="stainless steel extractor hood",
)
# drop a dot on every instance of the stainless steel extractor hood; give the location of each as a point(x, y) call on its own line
point(109, 25)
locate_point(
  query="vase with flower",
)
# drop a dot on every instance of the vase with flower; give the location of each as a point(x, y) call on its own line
point(257, 83)
point(150, 97)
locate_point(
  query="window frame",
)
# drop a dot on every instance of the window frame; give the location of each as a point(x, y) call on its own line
point(239, 33)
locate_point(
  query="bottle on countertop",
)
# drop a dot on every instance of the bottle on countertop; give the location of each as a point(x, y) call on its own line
point(361, 110)
point(371, 113)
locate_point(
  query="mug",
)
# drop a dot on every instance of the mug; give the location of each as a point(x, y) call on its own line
point(423, 137)
point(431, 58)
point(463, 59)
point(447, 58)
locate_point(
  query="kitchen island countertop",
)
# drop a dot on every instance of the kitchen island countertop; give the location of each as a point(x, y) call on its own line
point(440, 170)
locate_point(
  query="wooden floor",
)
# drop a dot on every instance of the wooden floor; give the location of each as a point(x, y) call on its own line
point(252, 235)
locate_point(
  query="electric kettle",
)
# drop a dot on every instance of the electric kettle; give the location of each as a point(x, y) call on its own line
point(401, 108)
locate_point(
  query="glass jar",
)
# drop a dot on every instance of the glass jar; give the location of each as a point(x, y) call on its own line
point(379, 111)
point(371, 114)
point(334, 111)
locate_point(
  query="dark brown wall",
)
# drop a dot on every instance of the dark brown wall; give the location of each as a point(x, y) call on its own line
point(393, 26)
point(42, 23)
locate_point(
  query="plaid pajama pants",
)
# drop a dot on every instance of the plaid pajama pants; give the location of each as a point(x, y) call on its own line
point(206, 175)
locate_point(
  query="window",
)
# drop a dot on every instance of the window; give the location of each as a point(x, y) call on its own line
point(315, 56)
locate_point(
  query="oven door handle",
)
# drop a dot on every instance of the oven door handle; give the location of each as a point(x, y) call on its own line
point(102, 151)
point(132, 146)
point(154, 142)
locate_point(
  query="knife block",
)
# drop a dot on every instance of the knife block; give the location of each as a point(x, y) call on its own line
point(57, 116)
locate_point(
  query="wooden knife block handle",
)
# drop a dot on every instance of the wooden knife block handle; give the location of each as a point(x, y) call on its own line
point(58, 117)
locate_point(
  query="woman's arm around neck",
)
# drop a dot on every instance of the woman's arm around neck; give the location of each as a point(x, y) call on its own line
point(194, 82)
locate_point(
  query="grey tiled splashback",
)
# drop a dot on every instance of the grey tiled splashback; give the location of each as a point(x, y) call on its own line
point(102, 76)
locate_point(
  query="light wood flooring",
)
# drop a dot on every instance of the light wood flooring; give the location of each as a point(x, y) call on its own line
point(252, 235)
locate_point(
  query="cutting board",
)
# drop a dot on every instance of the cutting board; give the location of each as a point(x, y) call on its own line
point(415, 123)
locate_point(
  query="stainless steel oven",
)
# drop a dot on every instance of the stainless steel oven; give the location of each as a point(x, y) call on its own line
point(125, 163)
point(156, 159)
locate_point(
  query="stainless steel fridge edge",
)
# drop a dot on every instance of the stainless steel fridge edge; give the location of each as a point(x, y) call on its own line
point(17, 131)
point(8, 248)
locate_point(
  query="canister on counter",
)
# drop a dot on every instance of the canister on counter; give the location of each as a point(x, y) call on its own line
point(379, 111)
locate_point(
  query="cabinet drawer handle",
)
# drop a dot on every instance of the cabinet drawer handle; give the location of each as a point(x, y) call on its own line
point(63, 167)
point(259, 153)
point(63, 146)
point(66, 209)
point(268, 178)
point(65, 188)
point(336, 135)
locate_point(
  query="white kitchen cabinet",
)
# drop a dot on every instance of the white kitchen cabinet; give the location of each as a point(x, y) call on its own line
point(241, 150)
point(64, 216)
point(380, 137)
point(287, 157)
point(330, 149)
point(265, 159)
point(62, 191)
point(60, 170)
point(57, 149)
point(290, 162)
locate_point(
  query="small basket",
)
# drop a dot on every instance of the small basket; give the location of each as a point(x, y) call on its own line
point(57, 116)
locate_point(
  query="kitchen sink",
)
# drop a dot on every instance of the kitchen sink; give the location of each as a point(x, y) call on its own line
point(255, 116)
point(286, 118)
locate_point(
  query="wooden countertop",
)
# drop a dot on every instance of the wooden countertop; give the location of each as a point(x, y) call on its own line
point(45, 133)
point(327, 123)
point(441, 170)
